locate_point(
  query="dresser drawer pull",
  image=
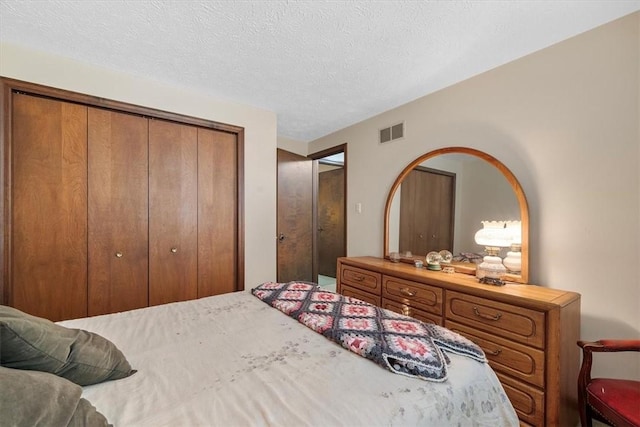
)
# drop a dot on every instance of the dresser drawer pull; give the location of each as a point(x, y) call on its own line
point(358, 277)
point(494, 352)
point(486, 316)
point(407, 292)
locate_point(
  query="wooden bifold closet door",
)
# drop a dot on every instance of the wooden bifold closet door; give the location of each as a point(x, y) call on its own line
point(49, 207)
point(118, 211)
point(217, 212)
point(113, 210)
point(193, 212)
point(173, 203)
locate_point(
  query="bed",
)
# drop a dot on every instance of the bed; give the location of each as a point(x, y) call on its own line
point(232, 360)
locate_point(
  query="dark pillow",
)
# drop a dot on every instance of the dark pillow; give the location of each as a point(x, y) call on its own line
point(29, 398)
point(86, 415)
point(29, 342)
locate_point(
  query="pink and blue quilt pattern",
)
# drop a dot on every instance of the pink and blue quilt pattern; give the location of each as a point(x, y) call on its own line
point(399, 343)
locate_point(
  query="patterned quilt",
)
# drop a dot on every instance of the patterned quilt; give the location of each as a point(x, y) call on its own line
point(399, 343)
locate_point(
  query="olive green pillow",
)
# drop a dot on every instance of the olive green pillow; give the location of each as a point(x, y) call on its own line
point(32, 398)
point(29, 342)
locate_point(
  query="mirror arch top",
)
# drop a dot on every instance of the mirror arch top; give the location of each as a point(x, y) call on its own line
point(508, 175)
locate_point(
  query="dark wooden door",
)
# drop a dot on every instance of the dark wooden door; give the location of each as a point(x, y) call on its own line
point(295, 218)
point(118, 212)
point(217, 212)
point(330, 220)
point(49, 207)
point(427, 207)
point(173, 212)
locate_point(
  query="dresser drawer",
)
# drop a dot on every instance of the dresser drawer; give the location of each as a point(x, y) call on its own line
point(401, 308)
point(526, 400)
point(413, 294)
point(509, 321)
point(520, 361)
point(348, 291)
point(362, 279)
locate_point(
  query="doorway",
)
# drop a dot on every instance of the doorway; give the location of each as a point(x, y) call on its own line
point(311, 215)
point(329, 213)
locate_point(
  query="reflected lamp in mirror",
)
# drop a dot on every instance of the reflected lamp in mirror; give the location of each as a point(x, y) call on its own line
point(493, 236)
point(513, 260)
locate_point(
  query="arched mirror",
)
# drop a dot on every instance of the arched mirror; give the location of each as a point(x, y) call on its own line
point(438, 202)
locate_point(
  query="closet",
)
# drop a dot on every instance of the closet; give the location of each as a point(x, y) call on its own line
point(111, 207)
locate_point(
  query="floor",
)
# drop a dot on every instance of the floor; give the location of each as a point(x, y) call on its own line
point(328, 283)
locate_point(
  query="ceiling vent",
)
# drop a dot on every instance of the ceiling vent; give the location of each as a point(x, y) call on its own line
point(392, 133)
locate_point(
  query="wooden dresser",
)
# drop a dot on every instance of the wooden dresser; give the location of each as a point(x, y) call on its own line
point(528, 332)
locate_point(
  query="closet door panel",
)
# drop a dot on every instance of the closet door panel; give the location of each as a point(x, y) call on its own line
point(217, 212)
point(173, 212)
point(49, 207)
point(118, 212)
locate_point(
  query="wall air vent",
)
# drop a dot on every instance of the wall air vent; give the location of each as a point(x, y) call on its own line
point(392, 133)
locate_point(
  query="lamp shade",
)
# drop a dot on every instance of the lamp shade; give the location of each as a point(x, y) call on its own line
point(514, 229)
point(494, 234)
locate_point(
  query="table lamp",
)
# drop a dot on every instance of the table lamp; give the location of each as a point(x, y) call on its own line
point(493, 235)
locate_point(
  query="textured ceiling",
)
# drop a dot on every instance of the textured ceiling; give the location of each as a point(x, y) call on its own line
point(320, 65)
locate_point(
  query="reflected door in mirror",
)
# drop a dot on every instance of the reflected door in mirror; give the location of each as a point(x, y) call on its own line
point(427, 206)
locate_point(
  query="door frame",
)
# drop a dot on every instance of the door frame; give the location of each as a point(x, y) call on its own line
point(342, 148)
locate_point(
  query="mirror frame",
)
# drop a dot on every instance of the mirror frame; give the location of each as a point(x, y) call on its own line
point(524, 208)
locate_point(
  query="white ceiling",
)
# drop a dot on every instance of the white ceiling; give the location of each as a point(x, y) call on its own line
point(320, 65)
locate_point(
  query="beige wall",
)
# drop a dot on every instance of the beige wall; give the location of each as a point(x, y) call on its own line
point(292, 145)
point(565, 121)
point(260, 134)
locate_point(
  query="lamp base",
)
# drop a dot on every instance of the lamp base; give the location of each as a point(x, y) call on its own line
point(491, 270)
point(491, 281)
point(513, 260)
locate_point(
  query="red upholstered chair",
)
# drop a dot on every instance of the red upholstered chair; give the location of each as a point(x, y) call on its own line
point(612, 401)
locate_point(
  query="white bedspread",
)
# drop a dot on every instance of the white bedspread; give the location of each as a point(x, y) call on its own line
point(231, 360)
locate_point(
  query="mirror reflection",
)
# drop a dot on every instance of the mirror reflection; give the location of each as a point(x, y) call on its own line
point(442, 202)
point(438, 203)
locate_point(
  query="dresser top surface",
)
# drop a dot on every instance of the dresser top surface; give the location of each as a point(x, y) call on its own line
point(517, 293)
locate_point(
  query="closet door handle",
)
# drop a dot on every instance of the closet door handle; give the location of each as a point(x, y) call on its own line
point(174, 250)
point(118, 254)
point(486, 316)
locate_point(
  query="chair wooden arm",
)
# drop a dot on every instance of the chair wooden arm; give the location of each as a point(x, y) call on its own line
point(584, 377)
point(610, 345)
